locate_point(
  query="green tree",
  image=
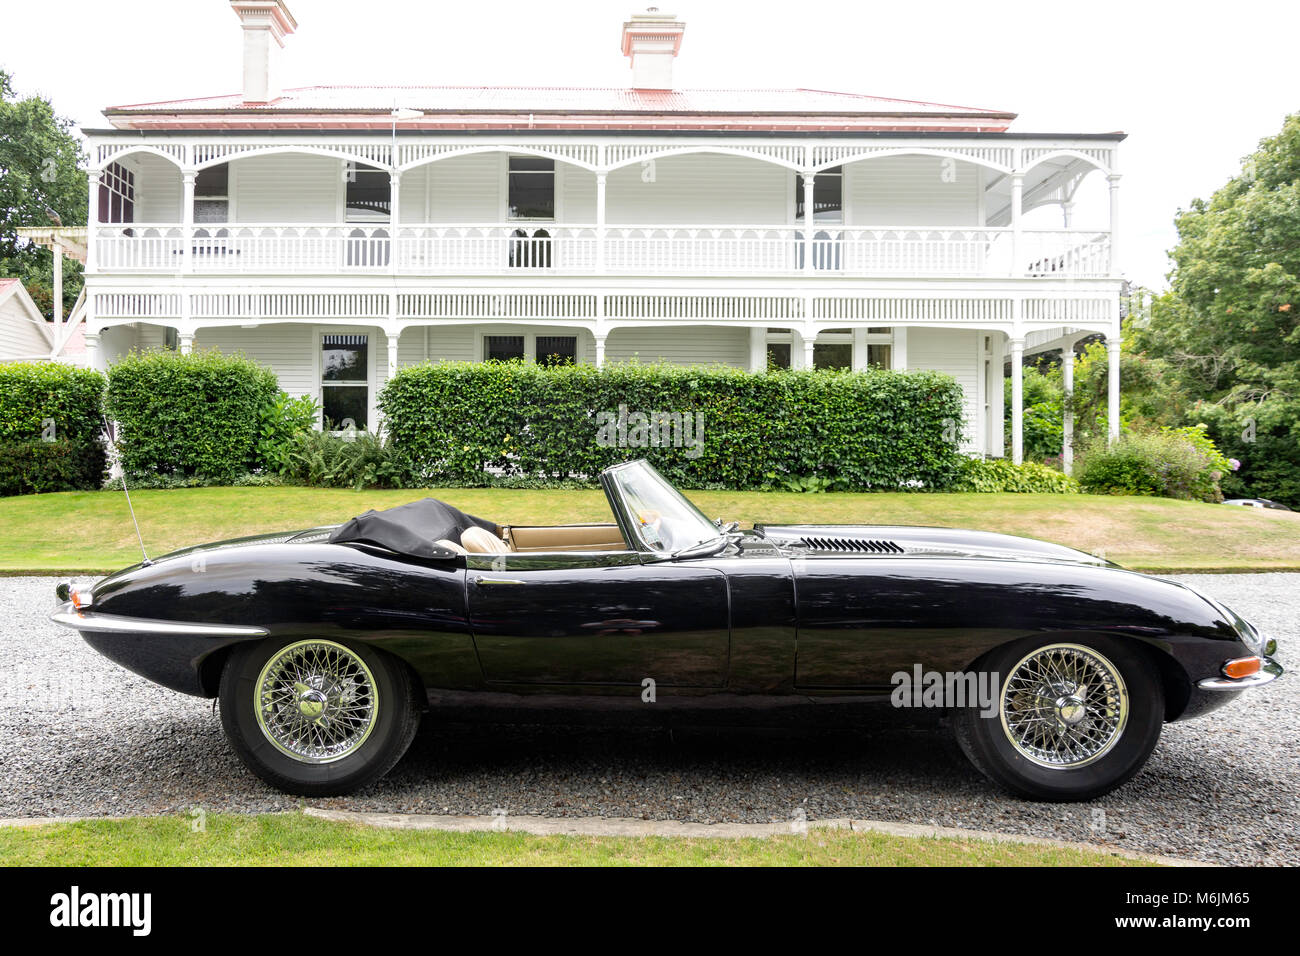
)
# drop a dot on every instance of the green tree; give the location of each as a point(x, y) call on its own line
point(1228, 332)
point(40, 172)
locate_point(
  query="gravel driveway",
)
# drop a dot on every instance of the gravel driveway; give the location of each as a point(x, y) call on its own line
point(86, 737)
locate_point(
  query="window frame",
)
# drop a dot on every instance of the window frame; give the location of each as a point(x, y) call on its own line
point(318, 338)
point(530, 337)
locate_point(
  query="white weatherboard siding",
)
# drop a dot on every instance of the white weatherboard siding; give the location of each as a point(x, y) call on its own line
point(700, 189)
point(692, 345)
point(287, 188)
point(289, 349)
point(912, 191)
point(157, 189)
point(20, 337)
point(461, 189)
point(951, 351)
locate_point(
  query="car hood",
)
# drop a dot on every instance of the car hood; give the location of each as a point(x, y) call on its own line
point(868, 540)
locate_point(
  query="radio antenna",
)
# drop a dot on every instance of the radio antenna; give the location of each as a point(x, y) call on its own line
point(108, 430)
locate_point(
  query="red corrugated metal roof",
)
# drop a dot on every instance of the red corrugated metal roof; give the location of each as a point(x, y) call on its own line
point(484, 107)
point(566, 99)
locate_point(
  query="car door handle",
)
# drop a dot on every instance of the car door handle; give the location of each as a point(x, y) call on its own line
point(482, 581)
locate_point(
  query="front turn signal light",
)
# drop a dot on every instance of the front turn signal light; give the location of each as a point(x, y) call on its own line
point(81, 600)
point(1241, 667)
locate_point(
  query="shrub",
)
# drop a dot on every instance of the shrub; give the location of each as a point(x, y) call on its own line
point(1000, 474)
point(189, 416)
point(34, 395)
point(34, 467)
point(362, 460)
point(51, 419)
point(1169, 463)
point(479, 423)
point(282, 422)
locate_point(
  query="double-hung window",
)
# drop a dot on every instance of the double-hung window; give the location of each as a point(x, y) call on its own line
point(344, 381)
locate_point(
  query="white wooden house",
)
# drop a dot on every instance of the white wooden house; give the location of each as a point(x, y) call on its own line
point(339, 233)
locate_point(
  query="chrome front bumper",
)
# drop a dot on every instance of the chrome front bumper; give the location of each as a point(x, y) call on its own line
point(91, 623)
point(1269, 672)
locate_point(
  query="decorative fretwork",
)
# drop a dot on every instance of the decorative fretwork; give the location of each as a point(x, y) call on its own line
point(684, 308)
point(1069, 311)
point(272, 306)
point(886, 309)
point(1000, 157)
point(491, 305)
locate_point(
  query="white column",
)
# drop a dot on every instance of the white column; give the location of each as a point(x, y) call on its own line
point(92, 350)
point(809, 341)
point(393, 338)
point(1017, 244)
point(1067, 418)
point(600, 350)
point(1113, 179)
point(899, 350)
point(1112, 385)
point(1017, 399)
point(600, 222)
point(394, 216)
point(186, 340)
point(1067, 214)
point(57, 248)
point(808, 183)
point(92, 219)
point(860, 349)
point(187, 219)
point(758, 349)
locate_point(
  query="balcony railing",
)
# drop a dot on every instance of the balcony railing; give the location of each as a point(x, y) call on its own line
point(501, 249)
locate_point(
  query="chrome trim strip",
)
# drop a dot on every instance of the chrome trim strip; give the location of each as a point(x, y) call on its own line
point(1269, 672)
point(108, 624)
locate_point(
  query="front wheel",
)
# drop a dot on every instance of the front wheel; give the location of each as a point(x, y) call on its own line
point(316, 717)
point(1074, 720)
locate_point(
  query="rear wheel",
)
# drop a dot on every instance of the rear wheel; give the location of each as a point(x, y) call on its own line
point(1074, 720)
point(317, 717)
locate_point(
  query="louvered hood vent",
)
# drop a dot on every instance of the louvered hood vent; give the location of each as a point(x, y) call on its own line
point(867, 545)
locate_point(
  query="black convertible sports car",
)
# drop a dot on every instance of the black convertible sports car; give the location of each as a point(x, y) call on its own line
point(324, 646)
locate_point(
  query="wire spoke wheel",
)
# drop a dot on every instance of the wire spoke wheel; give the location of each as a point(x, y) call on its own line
point(316, 701)
point(1064, 706)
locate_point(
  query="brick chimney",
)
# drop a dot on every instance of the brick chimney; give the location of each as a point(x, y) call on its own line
point(651, 40)
point(266, 23)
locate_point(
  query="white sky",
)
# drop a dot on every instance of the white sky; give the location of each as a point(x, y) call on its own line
point(1195, 85)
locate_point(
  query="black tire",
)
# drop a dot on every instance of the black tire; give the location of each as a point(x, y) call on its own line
point(987, 741)
point(389, 731)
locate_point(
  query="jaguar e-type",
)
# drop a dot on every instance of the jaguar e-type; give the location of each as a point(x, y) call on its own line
point(325, 646)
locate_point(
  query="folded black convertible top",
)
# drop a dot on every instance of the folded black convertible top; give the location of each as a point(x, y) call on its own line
point(412, 528)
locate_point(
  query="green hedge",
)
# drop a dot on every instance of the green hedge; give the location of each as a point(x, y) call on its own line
point(33, 467)
point(705, 427)
point(34, 394)
point(190, 416)
point(51, 419)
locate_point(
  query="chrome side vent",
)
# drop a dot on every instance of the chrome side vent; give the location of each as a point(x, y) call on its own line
point(868, 545)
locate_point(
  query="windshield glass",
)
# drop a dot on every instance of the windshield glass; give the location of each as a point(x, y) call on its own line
point(664, 520)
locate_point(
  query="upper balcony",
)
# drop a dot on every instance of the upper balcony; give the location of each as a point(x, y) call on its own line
point(531, 249)
point(526, 210)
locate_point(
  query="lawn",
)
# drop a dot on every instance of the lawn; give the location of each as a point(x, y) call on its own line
point(296, 840)
point(88, 532)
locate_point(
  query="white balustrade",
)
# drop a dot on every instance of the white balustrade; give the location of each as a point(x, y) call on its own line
point(550, 248)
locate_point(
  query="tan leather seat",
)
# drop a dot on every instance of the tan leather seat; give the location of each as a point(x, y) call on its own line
point(482, 541)
point(450, 545)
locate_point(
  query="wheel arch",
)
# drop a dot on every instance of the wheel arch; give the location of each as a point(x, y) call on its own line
point(1174, 680)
